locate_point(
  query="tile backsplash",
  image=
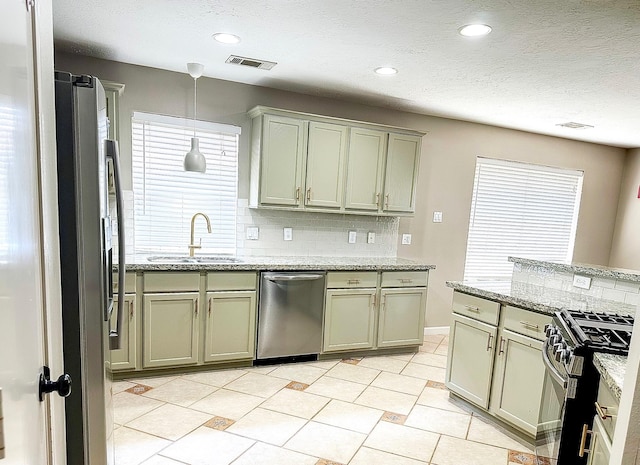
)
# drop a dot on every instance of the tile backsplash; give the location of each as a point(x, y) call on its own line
point(314, 234)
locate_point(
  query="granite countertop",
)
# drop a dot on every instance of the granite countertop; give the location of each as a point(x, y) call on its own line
point(581, 268)
point(540, 299)
point(612, 369)
point(141, 263)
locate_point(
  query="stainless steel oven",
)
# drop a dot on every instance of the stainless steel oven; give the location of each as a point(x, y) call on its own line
point(572, 339)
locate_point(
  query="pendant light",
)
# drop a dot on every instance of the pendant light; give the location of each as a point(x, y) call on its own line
point(194, 160)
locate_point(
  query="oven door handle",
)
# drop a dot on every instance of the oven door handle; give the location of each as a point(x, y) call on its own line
point(555, 374)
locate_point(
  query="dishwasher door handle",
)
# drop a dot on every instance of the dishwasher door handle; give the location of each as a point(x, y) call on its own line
point(294, 277)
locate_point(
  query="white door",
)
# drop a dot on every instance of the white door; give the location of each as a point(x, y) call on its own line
point(23, 342)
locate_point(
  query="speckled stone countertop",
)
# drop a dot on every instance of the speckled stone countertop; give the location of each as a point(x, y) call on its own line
point(540, 299)
point(612, 369)
point(581, 268)
point(141, 263)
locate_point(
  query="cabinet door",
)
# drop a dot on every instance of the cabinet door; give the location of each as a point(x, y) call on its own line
point(600, 447)
point(124, 358)
point(401, 173)
point(470, 361)
point(349, 319)
point(518, 381)
point(326, 152)
point(283, 146)
point(170, 329)
point(231, 326)
point(401, 320)
point(364, 169)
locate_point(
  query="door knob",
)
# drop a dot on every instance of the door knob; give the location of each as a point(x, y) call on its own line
point(62, 385)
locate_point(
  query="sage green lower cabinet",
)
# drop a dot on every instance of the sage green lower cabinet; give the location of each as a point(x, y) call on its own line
point(170, 329)
point(600, 447)
point(124, 358)
point(349, 319)
point(470, 361)
point(518, 381)
point(401, 320)
point(230, 326)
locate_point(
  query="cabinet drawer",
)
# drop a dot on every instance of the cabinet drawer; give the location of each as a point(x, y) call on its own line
point(129, 282)
point(404, 278)
point(476, 307)
point(171, 282)
point(608, 406)
point(525, 322)
point(352, 279)
point(232, 281)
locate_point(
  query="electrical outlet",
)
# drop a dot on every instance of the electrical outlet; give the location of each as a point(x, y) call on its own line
point(583, 282)
point(371, 237)
point(288, 234)
point(352, 237)
point(252, 233)
point(406, 239)
point(437, 217)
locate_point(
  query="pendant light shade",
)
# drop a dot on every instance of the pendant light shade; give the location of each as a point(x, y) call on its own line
point(194, 160)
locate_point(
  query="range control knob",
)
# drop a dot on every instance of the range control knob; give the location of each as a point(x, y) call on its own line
point(554, 339)
point(550, 329)
point(560, 351)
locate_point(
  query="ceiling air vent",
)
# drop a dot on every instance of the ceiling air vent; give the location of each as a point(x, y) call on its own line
point(574, 125)
point(251, 62)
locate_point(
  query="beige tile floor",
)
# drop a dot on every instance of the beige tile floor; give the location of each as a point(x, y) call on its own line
point(371, 411)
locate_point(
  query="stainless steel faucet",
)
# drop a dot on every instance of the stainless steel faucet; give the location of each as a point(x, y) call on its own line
point(193, 246)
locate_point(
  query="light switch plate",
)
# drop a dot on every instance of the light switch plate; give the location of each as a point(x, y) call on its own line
point(288, 234)
point(406, 239)
point(437, 217)
point(583, 282)
point(253, 233)
point(371, 237)
point(352, 237)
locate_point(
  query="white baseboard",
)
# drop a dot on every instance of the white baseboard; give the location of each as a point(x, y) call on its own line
point(436, 330)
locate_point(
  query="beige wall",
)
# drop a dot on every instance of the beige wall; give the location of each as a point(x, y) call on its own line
point(446, 171)
point(625, 250)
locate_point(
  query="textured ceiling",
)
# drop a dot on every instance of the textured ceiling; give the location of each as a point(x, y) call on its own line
point(546, 62)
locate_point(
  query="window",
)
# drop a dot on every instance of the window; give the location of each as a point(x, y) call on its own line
point(521, 210)
point(166, 197)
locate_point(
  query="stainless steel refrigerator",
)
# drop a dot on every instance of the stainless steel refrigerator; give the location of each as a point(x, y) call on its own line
point(86, 253)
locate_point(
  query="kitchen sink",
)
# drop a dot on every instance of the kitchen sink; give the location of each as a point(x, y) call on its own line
point(200, 259)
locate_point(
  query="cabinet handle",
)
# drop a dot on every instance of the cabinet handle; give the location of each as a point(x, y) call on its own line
point(210, 307)
point(297, 194)
point(374, 299)
point(526, 324)
point(489, 347)
point(501, 351)
point(602, 411)
point(353, 281)
point(131, 309)
point(384, 301)
point(386, 201)
point(406, 281)
point(196, 302)
point(583, 440)
point(308, 194)
point(378, 199)
point(471, 308)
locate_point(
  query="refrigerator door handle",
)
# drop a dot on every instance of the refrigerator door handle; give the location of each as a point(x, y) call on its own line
point(111, 150)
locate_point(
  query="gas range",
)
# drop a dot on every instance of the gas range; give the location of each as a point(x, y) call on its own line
point(572, 339)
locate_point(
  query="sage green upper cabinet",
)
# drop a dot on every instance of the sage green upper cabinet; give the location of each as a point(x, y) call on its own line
point(283, 153)
point(365, 169)
point(326, 153)
point(401, 173)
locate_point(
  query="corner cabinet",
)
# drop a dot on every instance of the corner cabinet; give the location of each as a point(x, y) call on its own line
point(308, 162)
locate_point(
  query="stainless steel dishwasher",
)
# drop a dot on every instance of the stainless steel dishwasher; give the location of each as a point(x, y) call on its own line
point(290, 314)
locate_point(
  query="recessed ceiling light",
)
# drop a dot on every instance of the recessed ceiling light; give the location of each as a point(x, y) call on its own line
point(474, 30)
point(385, 70)
point(574, 125)
point(225, 38)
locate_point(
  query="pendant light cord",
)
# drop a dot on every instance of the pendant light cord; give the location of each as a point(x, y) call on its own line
point(195, 104)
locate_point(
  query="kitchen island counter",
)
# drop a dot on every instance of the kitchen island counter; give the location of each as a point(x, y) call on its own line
point(141, 263)
point(539, 299)
point(612, 370)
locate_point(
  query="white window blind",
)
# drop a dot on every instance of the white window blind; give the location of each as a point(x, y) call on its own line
point(520, 210)
point(166, 197)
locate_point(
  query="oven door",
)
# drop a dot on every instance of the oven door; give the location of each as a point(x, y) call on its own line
point(552, 409)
